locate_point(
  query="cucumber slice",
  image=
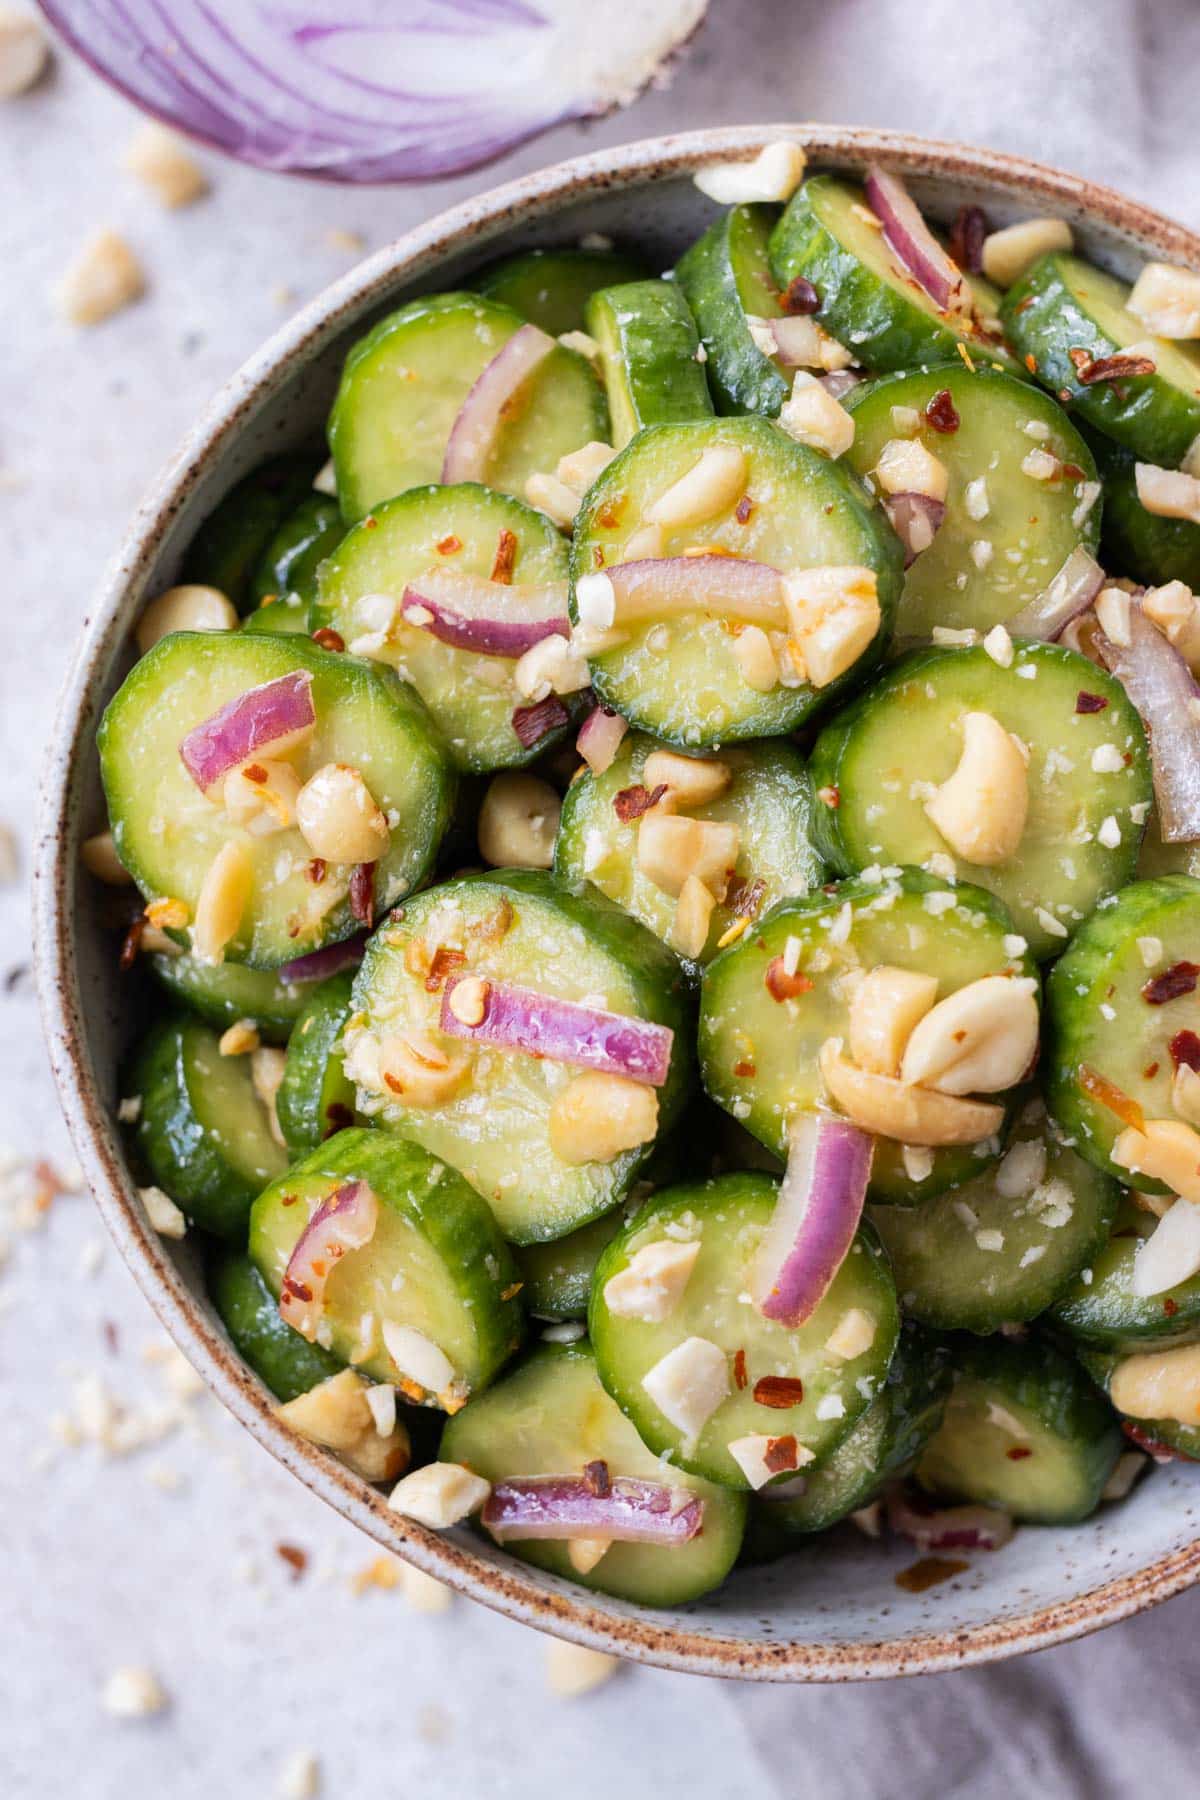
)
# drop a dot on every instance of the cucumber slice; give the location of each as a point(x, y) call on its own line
point(650, 351)
point(1002, 1248)
point(522, 927)
point(167, 833)
point(1024, 1430)
point(471, 697)
point(727, 1218)
point(436, 1262)
point(551, 288)
point(979, 571)
point(228, 547)
point(315, 1099)
point(1158, 858)
point(681, 681)
point(882, 1444)
point(869, 301)
point(288, 617)
point(886, 752)
point(1100, 1020)
point(1101, 1365)
point(249, 1311)
point(1062, 304)
point(404, 383)
point(1137, 543)
point(725, 276)
point(769, 799)
point(758, 1055)
point(284, 586)
point(552, 1417)
point(202, 1132)
point(223, 993)
point(1104, 1312)
point(557, 1277)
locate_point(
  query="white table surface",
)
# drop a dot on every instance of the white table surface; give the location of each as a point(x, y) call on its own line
point(167, 1556)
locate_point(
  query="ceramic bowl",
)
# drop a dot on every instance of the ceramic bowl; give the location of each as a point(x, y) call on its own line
point(833, 1611)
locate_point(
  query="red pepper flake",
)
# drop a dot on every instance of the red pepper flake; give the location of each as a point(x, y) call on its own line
point(830, 797)
point(533, 723)
point(1089, 703)
point(316, 870)
point(112, 1337)
point(745, 1068)
point(608, 513)
point(295, 1558)
point(339, 1116)
point(1072, 471)
point(1018, 1453)
point(1089, 369)
point(329, 639)
point(929, 1572)
point(1170, 1308)
point(506, 556)
point(743, 509)
point(597, 556)
point(781, 1453)
point(782, 986)
point(1111, 1097)
point(942, 414)
point(1150, 1071)
point(1025, 304)
point(1031, 362)
point(800, 296)
point(494, 925)
point(362, 893)
point(296, 1290)
point(288, 1199)
point(370, 522)
point(131, 944)
point(512, 1290)
point(744, 898)
point(255, 772)
point(966, 238)
point(444, 963)
point(1154, 1446)
point(1172, 984)
point(597, 1479)
point(449, 546)
point(632, 802)
point(1185, 1049)
point(740, 1377)
point(779, 1391)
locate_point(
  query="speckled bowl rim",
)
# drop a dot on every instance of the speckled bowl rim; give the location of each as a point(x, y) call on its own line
point(509, 1588)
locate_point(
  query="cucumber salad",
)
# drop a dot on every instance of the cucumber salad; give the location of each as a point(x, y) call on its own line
point(668, 869)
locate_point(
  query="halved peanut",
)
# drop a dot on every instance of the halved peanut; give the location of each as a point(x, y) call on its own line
point(584, 1553)
point(518, 821)
point(105, 277)
point(338, 817)
point(1008, 252)
point(893, 1109)
point(774, 175)
point(160, 159)
point(693, 918)
point(24, 52)
point(755, 659)
point(419, 1070)
point(646, 543)
point(1185, 1094)
point(651, 1286)
point(99, 857)
point(439, 1495)
point(1168, 493)
point(710, 487)
point(670, 848)
point(267, 1065)
point(981, 809)
point(261, 797)
point(597, 1116)
point(224, 894)
point(554, 665)
point(553, 497)
point(833, 613)
point(579, 468)
point(809, 345)
point(189, 607)
point(336, 1415)
point(979, 1040)
point(689, 780)
point(1167, 300)
point(1159, 1384)
point(1168, 1150)
point(1176, 612)
point(812, 416)
point(905, 466)
point(885, 1006)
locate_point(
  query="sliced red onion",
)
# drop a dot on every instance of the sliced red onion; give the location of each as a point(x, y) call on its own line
point(600, 737)
point(948, 1527)
point(820, 1203)
point(563, 1031)
point(346, 1221)
point(535, 722)
point(494, 618)
point(914, 243)
point(263, 719)
point(678, 586)
point(319, 965)
point(1069, 593)
point(567, 1506)
point(916, 520)
point(1162, 688)
point(839, 382)
point(474, 432)
point(1154, 1447)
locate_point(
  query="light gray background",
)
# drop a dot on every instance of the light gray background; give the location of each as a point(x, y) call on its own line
point(99, 1564)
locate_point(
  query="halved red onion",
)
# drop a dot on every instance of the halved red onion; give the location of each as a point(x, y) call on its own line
point(495, 618)
point(839, 382)
point(563, 1031)
point(346, 1221)
point(534, 722)
point(319, 965)
point(947, 1527)
point(1164, 691)
point(567, 1506)
point(916, 520)
point(1068, 594)
point(680, 586)
point(473, 434)
point(820, 1203)
point(266, 719)
point(600, 737)
point(914, 243)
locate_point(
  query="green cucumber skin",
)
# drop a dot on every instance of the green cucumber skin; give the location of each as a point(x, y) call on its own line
point(557, 1276)
point(1101, 1366)
point(1084, 966)
point(551, 288)
point(462, 1234)
point(1134, 542)
point(226, 550)
point(1038, 1377)
point(884, 328)
point(184, 1158)
point(289, 564)
point(741, 377)
point(315, 1099)
point(650, 346)
point(1045, 318)
point(1104, 1314)
point(245, 1305)
point(222, 994)
point(287, 617)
